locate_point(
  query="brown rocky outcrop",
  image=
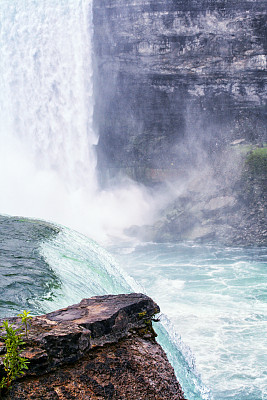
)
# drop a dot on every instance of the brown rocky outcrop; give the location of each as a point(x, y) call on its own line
point(102, 348)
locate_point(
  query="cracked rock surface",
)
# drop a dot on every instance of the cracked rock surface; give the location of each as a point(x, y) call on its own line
point(102, 348)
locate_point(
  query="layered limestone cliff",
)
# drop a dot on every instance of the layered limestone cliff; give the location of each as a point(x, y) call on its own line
point(176, 77)
point(102, 348)
point(178, 84)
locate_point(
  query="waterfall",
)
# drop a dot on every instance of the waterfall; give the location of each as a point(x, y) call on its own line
point(47, 158)
point(47, 89)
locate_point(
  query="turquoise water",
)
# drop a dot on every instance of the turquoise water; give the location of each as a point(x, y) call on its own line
point(74, 267)
point(216, 298)
point(85, 269)
point(26, 280)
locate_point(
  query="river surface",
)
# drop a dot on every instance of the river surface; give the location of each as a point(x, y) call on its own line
point(213, 299)
point(216, 298)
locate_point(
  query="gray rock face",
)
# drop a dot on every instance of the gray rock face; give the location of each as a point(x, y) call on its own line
point(230, 213)
point(174, 77)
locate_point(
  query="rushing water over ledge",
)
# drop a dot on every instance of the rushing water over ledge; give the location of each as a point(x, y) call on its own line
point(215, 297)
point(69, 267)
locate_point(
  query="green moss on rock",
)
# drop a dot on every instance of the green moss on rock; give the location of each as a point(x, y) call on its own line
point(256, 161)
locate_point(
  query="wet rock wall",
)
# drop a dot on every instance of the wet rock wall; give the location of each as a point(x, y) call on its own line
point(173, 78)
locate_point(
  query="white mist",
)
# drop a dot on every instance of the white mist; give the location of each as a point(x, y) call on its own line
point(47, 160)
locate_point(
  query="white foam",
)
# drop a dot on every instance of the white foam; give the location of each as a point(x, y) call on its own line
point(47, 158)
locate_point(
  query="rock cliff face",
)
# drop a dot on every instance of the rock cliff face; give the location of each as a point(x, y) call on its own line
point(178, 82)
point(174, 77)
point(101, 348)
point(212, 210)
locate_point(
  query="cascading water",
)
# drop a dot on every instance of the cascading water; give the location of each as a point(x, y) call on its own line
point(47, 160)
point(46, 87)
point(47, 90)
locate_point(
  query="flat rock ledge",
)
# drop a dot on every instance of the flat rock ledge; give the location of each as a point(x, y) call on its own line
point(102, 348)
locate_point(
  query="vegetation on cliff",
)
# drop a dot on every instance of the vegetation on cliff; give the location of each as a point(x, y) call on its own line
point(256, 162)
point(14, 364)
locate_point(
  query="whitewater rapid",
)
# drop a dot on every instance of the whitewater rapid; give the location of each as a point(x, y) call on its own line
point(216, 299)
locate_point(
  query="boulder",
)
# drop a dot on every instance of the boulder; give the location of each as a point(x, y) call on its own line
point(102, 348)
